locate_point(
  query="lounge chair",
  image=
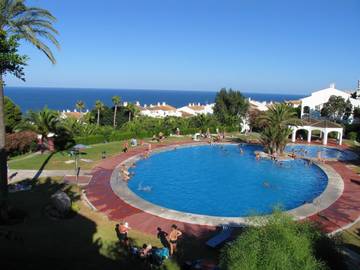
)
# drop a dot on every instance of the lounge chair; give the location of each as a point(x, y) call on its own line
point(220, 237)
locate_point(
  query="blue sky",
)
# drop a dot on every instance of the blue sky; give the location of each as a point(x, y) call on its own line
point(252, 45)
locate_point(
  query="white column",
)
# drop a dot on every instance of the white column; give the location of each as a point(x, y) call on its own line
point(321, 134)
point(309, 136)
point(340, 138)
point(293, 137)
point(325, 139)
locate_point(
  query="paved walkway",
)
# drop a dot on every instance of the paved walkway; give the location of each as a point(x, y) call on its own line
point(346, 209)
point(343, 212)
point(18, 175)
point(100, 194)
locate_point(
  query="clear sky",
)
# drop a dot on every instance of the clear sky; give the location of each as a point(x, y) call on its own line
point(283, 46)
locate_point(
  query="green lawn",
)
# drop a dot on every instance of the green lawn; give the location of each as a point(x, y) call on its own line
point(56, 161)
point(85, 241)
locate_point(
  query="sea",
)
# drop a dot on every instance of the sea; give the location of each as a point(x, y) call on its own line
point(36, 98)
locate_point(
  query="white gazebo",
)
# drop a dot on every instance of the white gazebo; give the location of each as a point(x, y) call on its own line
point(324, 126)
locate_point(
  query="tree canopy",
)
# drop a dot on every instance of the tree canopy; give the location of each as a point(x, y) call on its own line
point(12, 115)
point(230, 107)
point(10, 61)
point(337, 108)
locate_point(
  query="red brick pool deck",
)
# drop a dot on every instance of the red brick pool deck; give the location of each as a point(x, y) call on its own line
point(341, 213)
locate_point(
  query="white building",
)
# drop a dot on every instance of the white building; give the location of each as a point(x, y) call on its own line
point(159, 110)
point(196, 109)
point(72, 114)
point(311, 106)
point(261, 106)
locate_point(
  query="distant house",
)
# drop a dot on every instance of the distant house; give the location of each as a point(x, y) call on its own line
point(258, 105)
point(159, 111)
point(72, 114)
point(196, 109)
point(293, 103)
point(311, 106)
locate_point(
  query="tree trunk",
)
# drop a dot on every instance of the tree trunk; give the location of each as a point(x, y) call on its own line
point(3, 154)
point(98, 117)
point(129, 116)
point(115, 111)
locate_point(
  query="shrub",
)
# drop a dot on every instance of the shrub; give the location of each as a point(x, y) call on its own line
point(94, 139)
point(352, 136)
point(20, 142)
point(281, 243)
point(119, 136)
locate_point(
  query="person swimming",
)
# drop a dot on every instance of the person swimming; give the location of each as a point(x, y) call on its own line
point(266, 184)
point(145, 189)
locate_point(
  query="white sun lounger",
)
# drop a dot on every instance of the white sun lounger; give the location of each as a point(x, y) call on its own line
point(220, 237)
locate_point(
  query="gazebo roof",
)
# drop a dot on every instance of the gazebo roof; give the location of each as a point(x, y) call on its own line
point(320, 123)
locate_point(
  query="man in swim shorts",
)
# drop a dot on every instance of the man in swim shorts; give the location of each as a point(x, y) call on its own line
point(173, 238)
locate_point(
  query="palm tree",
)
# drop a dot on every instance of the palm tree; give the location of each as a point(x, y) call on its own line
point(132, 110)
point(80, 105)
point(34, 25)
point(276, 122)
point(43, 122)
point(116, 101)
point(99, 106)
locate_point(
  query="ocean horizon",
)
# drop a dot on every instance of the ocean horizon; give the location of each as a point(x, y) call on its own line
point(36, 98)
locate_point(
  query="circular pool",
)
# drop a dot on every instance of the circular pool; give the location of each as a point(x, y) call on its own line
point(219, 180)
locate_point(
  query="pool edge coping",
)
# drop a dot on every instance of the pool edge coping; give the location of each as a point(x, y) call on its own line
point(330, 195)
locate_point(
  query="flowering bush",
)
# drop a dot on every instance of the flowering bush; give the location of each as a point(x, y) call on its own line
point(20, 142)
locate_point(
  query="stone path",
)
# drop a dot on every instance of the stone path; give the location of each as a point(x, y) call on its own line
point(100, 194)
point(18, 175)
point(346, 209)
point(341, 213)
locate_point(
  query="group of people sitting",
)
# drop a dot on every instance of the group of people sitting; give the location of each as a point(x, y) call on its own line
point(158, 138)
point(149, 253)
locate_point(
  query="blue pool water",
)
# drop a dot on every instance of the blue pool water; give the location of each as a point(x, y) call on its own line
point(219, 181)
point(312, 150)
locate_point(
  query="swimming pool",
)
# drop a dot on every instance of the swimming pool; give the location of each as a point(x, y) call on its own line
point(311, 151)
point(217, 180)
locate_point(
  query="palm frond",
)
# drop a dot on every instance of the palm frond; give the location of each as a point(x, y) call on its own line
point(33, 24)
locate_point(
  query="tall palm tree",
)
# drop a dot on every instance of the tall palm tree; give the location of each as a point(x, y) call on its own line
point(80, 105)
point(276, 122)
point(132, 110)
point(116, 101)
point(34, 25)
point(99, 106)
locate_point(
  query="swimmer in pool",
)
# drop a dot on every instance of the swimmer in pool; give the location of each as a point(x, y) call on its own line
point(266, 184)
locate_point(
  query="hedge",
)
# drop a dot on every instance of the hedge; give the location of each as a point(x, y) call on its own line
point(94, 139)
point(119, 136)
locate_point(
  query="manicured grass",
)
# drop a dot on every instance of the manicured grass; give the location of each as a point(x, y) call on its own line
point(56, 161)
point(85, 241)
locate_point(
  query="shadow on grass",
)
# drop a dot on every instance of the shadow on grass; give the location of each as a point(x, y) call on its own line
point(70, 243)
point(46, 161)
